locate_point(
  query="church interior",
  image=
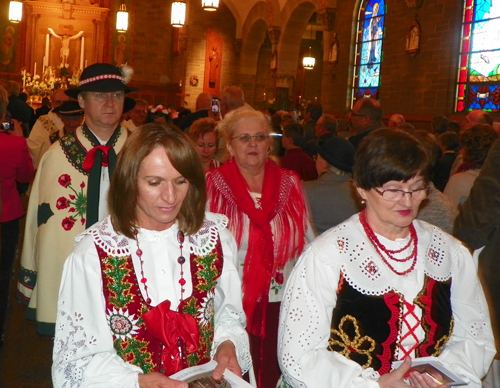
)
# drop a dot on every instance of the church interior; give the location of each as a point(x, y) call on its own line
point(419, 49)
point(417, 57)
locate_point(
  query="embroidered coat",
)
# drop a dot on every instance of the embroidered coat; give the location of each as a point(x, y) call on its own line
point(88, 329)
point(56, 215)
point(342, 264)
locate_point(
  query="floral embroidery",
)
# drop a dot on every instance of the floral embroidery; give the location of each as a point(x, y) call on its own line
point(344, 345)
point(76, 203)
point(122, 324)
point(277, 282)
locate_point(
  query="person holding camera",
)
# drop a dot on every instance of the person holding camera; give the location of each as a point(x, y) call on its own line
point(15, 167)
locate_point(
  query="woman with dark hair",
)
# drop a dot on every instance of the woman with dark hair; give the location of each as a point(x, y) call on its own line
point(153, 288)
point(204, 135)
point(383, 286)
point(267, 215)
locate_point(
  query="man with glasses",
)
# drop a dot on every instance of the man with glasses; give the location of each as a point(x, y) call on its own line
point(70, 189)
point(138, 116)
point(364, 118)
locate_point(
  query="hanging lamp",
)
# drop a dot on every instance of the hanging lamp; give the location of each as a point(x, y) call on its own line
point(122, 18)
point(178, 15)
point(15, 11)
point(210, 5)
point(309, 61)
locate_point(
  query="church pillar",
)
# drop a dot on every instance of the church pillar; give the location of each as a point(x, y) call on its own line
point(330, 51)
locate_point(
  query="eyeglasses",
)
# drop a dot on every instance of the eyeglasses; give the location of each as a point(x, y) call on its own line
point(352, 113)
point(395, 195)
point(247, 138)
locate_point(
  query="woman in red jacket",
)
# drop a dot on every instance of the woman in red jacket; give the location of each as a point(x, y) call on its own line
point(15, 167)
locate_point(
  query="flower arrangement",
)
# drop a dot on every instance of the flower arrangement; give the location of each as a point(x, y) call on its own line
point(36, 86)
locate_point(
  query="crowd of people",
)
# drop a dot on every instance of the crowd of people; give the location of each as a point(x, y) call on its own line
point(309, 252)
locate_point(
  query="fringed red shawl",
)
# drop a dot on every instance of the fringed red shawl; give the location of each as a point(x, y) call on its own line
point(282, 210)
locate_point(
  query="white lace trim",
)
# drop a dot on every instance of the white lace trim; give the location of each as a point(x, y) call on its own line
point(364, 269)
point(201, 243)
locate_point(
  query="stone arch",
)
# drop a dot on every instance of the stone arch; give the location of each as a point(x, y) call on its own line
point(291, 35)
point(254, 33)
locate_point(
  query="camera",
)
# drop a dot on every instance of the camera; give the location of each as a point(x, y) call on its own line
point(8, 125)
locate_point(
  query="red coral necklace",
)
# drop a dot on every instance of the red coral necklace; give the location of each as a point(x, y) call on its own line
point(181, 260)
point(383, 252)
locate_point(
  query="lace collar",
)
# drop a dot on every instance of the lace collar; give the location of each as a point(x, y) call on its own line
point(201, 243)
point(346, 247)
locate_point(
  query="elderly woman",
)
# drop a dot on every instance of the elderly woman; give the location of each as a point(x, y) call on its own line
point(202, 132)
point(267, 215)
point(382, 287)
point(145, 293)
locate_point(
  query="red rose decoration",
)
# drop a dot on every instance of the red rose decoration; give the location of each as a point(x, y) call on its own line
point(82, 185)
point(71, 210)
point(64, 180)
point(62, 203)
point(279, 278)
point(83, 221)
point(68, 223)
point(72, 197)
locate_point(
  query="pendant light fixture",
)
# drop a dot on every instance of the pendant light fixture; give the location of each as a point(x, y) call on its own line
point(15, 11)
point(122, 18)
point(210, 5)
point(309, 61)
point(178, 15)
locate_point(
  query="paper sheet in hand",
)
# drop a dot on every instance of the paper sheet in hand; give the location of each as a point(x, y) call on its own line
point(433, 365)
point(194, 373)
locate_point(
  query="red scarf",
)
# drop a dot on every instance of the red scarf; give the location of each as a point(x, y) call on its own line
point(283, 210)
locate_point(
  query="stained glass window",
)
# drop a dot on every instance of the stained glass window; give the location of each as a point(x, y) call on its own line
point(479, 64)
point(369, 49)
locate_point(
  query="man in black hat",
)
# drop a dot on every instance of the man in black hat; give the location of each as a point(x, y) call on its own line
point(70, 189)
point(71, 115)
point(332, 197)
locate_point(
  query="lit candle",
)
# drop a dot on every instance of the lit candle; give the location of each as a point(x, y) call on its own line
point(300, 98)
point(47, 46)
point(264, 96)
point(85, 63)
point(34, 69)
point(43, 65)
point(82, 49)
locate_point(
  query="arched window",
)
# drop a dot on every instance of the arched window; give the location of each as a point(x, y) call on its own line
point(479, 66)
point(369, 49)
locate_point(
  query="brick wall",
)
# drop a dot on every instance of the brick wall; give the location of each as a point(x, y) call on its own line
point(418, 87)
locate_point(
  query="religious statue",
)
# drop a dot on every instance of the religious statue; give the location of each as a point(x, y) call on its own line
point(65, 39)
point(121, 50)
point(214, 64)
point(334, 50)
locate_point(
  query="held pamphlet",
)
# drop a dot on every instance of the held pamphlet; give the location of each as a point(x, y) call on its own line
point(435, 369)
point(200, 377)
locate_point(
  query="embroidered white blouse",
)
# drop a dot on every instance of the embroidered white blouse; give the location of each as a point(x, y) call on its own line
point(83, 348)
point(311, 294)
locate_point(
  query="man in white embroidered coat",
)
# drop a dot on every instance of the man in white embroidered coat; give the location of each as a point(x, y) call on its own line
point(70, 189)
point(45, 126)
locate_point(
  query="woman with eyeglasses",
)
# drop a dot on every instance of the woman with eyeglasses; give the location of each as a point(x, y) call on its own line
point(383, 286)
point(267, 216)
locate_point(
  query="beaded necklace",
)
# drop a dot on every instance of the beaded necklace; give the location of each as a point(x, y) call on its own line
point(181, 260)
point(383, 252)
